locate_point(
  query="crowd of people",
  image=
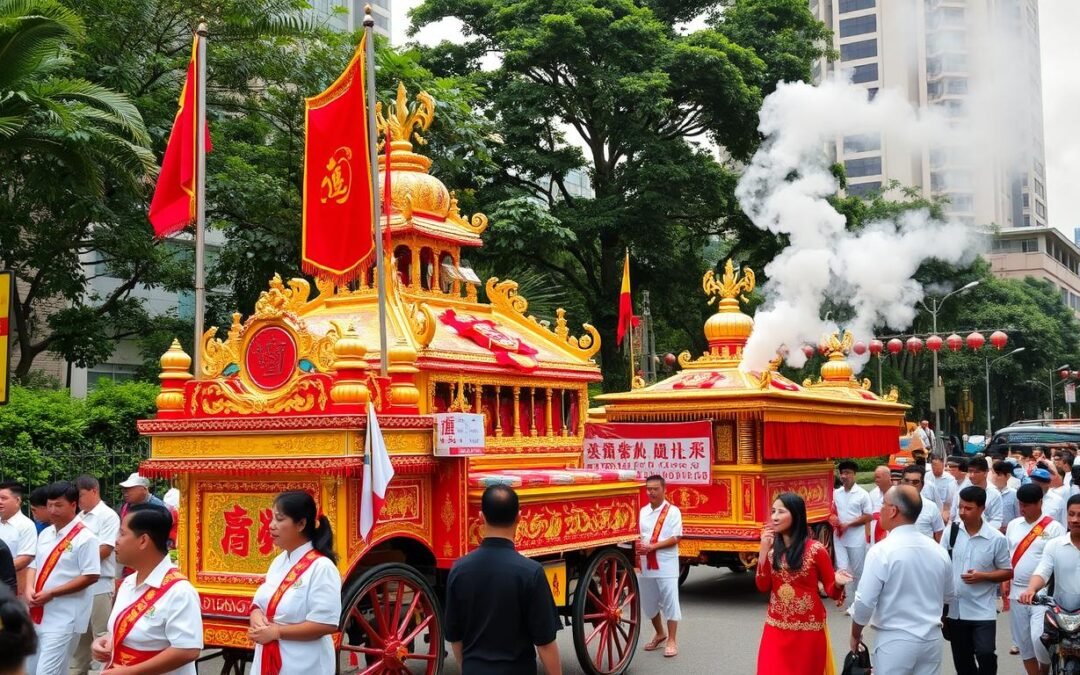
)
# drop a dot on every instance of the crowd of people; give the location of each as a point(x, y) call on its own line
point(86, 588)
point(927, 555)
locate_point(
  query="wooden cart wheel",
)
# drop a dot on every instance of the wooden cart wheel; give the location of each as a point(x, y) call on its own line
point(823, 532)
point(606, 614)
point(391, 624)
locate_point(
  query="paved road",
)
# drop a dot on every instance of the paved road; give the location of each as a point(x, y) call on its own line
point(723, 617)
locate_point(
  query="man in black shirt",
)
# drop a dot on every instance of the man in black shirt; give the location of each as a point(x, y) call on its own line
point(499, 610)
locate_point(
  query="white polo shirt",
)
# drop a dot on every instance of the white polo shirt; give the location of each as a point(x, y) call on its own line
point(929, 521)
point(105, 524)
point(850, 504)
point(1016, 532)
point(992, 515)
point(69, 613)
point(987, 551)
point(667, 558)
point(314, 596)
point(174, 620)
point(945, 489)
point(1054, 506)
point(1062, 557)
point(20, 534)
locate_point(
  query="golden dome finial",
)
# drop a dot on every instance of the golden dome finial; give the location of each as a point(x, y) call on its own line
point(728, 329)
point(730, 286)
point(174, 373)
point(837, 369)
point(399, 123)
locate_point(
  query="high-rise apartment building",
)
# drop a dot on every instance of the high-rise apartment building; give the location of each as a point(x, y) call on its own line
point(348, 15)
point(977, 60)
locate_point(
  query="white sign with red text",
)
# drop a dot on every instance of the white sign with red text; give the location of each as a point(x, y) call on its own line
point(458, 434)
point(681, 452)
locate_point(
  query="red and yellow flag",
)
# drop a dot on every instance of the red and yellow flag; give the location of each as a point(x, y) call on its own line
point(173, 206)
point(626, 306)
point(338, 233)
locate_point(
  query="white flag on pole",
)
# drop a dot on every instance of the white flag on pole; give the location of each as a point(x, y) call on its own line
point(378, 471)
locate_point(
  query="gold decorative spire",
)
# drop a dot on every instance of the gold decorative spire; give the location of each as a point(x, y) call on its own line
point(174, 373)
point(730, 286)
point(728, 329)
point(401, 119)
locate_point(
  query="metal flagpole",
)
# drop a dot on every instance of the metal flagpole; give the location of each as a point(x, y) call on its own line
point(200, 197)
point(376, 211)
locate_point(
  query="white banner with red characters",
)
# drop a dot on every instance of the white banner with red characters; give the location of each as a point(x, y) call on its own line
point(458, 434)
point(678, 451)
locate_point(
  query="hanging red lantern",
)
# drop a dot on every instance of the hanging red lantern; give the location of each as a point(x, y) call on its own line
point(808, 351)
point(670, 360)
point(998, 339)
point(914, 345)
point(955, 342)
point(876, 346)
point(859, 348)
point(1064, 374)
point(824, 349)
point(975, 341)
point(933, 343)
point(895, 346)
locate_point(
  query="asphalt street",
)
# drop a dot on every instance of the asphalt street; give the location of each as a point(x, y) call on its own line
point(723, 616)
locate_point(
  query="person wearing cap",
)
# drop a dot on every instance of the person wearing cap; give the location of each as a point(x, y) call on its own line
point(1028, 535)
point(136, 490)
point(1052, 505)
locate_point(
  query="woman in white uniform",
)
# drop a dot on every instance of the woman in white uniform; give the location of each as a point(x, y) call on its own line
point(297, 608)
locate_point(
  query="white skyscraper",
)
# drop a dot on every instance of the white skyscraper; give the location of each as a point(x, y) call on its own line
point(979, 61)
point(348, 15)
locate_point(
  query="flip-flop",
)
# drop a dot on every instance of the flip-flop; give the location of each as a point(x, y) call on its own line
point(1014, 650)
point(654, 644)
point(671, 650)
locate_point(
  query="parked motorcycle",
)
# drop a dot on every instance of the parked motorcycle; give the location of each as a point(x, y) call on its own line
point(1061, 635)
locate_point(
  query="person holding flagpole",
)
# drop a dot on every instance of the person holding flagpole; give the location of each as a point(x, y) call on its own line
point(297, 608)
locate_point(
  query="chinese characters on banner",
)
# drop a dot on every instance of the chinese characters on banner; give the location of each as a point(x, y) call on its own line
point(679, 451)
point(458, 434)
point(236, 539)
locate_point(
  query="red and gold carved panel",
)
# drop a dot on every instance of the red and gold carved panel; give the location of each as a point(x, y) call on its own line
point(449, 511)
point(548, 527)
point(226, 634)
point(406, 511)
point(703, 500)
point(725, 442)
point(816, 491)
point(225, 605)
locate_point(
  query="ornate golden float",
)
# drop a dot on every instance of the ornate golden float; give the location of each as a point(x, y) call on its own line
point(280, 401)
point(768, 434)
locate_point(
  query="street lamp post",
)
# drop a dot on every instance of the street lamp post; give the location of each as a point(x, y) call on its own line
point(989, 363)
point(933, 313)
point(1056, 370)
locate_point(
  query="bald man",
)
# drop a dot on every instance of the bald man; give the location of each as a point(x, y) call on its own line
point(882, 483)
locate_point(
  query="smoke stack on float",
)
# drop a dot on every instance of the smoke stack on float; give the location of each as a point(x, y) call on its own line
point(785, 190)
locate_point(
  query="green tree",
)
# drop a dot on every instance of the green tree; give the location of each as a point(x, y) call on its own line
point(650, 104)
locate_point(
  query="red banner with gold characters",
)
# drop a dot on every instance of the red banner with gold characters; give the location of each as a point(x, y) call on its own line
point(6, 289)
point(338, 233)
point(678, 451)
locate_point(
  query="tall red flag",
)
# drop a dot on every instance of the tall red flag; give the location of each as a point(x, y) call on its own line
point(626, 306)
point(338, 233)
point(173, 205)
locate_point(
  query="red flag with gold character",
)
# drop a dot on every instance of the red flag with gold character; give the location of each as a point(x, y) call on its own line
point(338, 230)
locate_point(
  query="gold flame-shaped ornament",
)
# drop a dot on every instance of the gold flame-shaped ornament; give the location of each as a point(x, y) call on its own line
point(729, 286)
point(403, 122)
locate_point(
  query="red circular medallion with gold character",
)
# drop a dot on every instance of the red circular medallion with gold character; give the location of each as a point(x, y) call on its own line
point(271, 357)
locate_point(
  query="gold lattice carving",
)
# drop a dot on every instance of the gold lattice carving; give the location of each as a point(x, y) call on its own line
point(729, 285)
point(725, 442)
point(303, 395)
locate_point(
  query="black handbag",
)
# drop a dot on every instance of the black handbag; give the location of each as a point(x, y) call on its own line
point(954, 532)
point(857, 662)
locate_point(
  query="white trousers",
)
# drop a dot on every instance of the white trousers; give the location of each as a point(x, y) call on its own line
point(1026, 624)
point(907, 657)
point(54, 652)
point(856, 556)
point(660, 596)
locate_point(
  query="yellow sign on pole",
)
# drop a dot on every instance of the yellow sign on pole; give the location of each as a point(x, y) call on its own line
point(6, 280)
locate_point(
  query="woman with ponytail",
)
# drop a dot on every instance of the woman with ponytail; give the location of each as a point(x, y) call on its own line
point(297, 608)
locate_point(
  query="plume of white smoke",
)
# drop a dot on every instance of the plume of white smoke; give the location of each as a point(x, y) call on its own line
point(785, 191)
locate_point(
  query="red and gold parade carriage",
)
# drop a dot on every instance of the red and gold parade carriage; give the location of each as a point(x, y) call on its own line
point(763, 434)
point(279, 403)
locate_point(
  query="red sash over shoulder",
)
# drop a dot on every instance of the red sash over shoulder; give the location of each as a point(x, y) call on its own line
point(271, 655)
point(38, 613)
point(1027, 541)
point(124, 655)
point(651, 560)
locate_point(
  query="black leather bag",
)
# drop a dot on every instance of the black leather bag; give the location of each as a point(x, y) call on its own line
point(857, 662)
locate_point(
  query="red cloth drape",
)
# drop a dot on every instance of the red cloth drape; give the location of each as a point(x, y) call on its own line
point(814, 440)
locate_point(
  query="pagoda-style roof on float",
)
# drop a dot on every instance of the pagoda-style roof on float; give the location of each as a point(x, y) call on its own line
point(841, 415)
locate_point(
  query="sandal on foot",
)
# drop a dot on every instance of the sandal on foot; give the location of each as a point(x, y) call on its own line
point(671, 650)
point(654, 644)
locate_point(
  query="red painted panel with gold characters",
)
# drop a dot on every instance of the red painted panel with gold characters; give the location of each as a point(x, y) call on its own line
point(816, 490)
point(703, 501)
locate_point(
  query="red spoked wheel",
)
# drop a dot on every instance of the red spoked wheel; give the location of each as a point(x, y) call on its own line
point(391, 624)
point(606, 614)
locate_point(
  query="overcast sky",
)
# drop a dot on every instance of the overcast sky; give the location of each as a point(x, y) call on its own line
point(1060, 20)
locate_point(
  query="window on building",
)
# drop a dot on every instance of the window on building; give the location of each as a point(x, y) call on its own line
point(1026, 199)
point(1027, 221)
point(867, 73)
point(1029, 245)
point(859, 25)
point(1040, 210)
point(953, 16)
point(956, 85)
point(962, 202)
point(114, 372)
point(863, 49)
point(855, 5)
point(1039, 189)
point(863, 189)
point(864, 166)
point(862, 143)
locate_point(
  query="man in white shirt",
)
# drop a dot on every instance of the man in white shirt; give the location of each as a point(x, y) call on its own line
point(660, 524)
point(167, 635)
point(17, 530)
point(882, 483)
point(926, 434)
point(980, 562)
point(905, 581)
point(945, 487)
point(58, 586)
point(1028, 536)
point(105, 525)
point(978, 469)
point(1063, 460)
point(999, 478)
point(1061, 558)
point(853, 511)
point(929, 521)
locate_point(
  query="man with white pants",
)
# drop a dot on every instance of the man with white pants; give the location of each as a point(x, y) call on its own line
point(58, 586)
point(853, 512)
point(660, 526)
point(104, 524)
point(906, 579)
point(1028, 536)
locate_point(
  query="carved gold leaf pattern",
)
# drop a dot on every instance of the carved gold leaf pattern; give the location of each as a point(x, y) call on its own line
point(730, 285)
point(304, 395)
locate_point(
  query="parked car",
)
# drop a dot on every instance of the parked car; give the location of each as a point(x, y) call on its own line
point(1034, 433)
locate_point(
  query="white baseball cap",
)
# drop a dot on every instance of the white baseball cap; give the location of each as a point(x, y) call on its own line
point(135, 480)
